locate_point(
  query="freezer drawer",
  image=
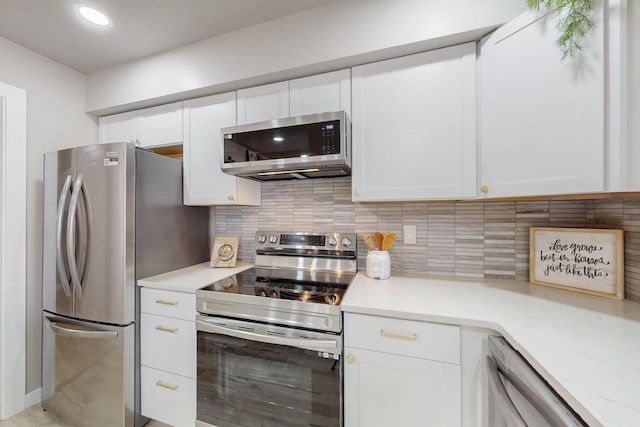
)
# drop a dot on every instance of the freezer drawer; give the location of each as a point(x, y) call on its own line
point(88, 372)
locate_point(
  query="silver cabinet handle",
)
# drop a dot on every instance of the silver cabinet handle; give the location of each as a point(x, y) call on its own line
point(166, 329)
point(62, 269)
point(69, 332)
point(497, 389)
point(71, 236)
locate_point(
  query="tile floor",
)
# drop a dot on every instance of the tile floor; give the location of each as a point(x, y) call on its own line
point(36, 417)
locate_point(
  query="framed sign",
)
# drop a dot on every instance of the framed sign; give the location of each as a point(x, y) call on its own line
point(225, 251)
point(584, 260)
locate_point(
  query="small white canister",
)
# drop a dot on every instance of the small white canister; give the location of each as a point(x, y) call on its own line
point(378, 264)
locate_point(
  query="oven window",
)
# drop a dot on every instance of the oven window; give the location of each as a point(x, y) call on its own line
point(246, 383)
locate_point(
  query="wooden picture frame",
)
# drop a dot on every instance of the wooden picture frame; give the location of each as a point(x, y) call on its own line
point(586, 260)
point(224, 252)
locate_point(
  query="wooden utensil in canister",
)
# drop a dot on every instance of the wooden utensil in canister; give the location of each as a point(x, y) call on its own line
point(379, 239)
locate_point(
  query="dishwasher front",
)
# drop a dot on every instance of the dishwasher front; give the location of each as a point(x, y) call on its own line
point(518, 396)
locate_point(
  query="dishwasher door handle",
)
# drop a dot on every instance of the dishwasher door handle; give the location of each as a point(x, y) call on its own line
point(497, 390)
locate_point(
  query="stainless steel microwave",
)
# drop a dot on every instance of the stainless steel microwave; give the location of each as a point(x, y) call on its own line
point(311, 146)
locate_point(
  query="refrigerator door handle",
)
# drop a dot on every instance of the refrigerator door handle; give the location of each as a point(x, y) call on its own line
point(71, 236)
point(62, 201)
point(83, 259)
point(66, 331)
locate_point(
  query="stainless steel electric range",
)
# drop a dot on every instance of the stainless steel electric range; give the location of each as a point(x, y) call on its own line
point(270, 338)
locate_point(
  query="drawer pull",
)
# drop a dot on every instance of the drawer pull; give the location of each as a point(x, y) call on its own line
point(161, 301)
point(174, 387)
point(411, 337)
point(165, 329)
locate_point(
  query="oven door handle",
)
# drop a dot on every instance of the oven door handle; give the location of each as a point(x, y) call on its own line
point(330, 346)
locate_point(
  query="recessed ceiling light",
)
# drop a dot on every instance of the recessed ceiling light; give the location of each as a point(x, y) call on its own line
point(94, 16)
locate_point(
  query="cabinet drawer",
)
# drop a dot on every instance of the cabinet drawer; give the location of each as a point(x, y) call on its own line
point(168, 344)
point(168, 303)
point(168, 398)
point(412, 338)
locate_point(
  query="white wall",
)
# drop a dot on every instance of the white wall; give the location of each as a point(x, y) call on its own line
point(339, 34)
point(55, 120)
point(633, 93)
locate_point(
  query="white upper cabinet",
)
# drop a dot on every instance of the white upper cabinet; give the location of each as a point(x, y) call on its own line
point(121, 127)
point(267, 102)
point(149, 127)
point(321, 93)
point(549, 125)
point(414, 126)
point(204, 181)
point(160, 125)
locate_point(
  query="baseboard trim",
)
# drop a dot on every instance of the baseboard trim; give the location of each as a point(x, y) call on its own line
point(33, 398)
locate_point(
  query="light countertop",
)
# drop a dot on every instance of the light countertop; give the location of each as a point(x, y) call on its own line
point(586, 347)
point(192, 278)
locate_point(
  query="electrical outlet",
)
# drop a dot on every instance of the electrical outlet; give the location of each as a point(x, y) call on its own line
point(409, 234)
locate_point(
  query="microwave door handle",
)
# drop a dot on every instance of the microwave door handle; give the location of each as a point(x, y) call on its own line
point(319, 345)
point(71, 236)
point(62, 269)
point(497, 389)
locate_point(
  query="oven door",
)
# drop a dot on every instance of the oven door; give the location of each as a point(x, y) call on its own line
point(252, 374)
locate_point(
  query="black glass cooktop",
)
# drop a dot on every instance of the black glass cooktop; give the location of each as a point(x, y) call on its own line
point(299, 285)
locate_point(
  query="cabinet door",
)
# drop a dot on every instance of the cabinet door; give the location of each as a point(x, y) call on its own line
point(414, 126)
point(168, 344)
point(167, 397)
point(384, 390)
point(321, 93)
point(204, 181)
point(161, 125)
point(265, 102)
point(542, 118)
point(121, 127)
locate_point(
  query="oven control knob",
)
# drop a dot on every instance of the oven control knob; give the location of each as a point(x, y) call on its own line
point(346, 242)
point(273, 239)
point(332, 241)
point(332, 299)
point(262, 238)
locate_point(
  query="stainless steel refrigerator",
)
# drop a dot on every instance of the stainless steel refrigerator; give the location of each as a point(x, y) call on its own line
point(113, 213)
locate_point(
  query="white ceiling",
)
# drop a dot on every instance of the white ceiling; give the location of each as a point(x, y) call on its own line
point(140, 27)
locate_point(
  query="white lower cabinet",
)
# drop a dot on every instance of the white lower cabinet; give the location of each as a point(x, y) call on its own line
point(168, 356)
point(168, 398)
point(400, 372)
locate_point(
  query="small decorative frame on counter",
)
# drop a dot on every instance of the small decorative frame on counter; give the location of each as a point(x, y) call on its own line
point(225, 251)
point(587, 260)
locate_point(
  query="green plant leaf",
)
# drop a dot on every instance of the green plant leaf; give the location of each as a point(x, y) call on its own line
point(573, 24)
